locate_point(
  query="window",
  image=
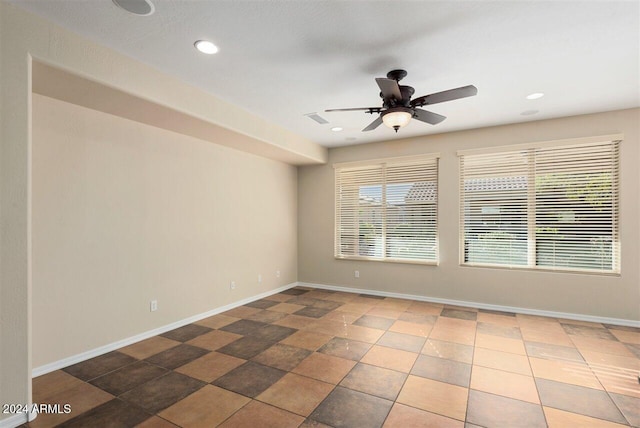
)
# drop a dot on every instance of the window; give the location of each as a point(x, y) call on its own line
point(544, 206)
point(387, 210)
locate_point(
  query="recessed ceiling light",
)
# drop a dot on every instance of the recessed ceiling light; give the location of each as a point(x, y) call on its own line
point(529, 112)
point(206, 47)
point(336, 129)
point(535, 96)
point(137, 7)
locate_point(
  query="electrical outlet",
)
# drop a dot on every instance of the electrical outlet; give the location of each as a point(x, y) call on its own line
point(259, 278)
point(356, 273)
point(232, 285)
point(153, 305)
point(277, 274)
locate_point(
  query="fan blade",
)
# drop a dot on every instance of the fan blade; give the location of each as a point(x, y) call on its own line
point(389, 88)
point(371, 109)
point(373, 125)
point(427, 116)
point(440, 97)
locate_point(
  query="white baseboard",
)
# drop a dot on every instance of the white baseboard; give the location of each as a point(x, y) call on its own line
point(527, 311)
point(65, 362)
point(17, 420)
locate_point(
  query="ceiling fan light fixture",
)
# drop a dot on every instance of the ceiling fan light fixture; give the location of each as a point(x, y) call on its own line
point(397, 117)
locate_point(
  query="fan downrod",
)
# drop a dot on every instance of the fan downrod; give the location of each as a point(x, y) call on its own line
point(397, 75)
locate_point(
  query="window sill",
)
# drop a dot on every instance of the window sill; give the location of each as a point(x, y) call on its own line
point(389, 260)
point(541, 269)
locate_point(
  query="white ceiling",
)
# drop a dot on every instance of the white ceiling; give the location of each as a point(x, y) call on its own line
point(283, 59)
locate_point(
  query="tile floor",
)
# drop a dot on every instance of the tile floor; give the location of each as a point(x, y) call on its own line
point(313, 358)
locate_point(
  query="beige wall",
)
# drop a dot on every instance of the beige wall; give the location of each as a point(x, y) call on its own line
point(606, 296)
point(124, 213)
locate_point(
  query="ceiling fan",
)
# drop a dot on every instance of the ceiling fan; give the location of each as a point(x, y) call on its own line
point(398, 108)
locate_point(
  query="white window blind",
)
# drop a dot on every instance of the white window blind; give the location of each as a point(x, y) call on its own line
point(545, 207)
point(387, 210)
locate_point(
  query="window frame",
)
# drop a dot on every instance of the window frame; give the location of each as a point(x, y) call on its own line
point(531, 223)
point(384, 163)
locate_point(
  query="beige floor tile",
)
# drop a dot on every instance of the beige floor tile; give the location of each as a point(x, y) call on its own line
point(506, 361)
point(296, 321)
point(307, 394)
point(402, 416)
point(561, 419)
point(389, 358)
point(425, 308)
point(385, 312)
point(436, 397)
point(341, 297)
point(341, 316)
point(205, 408)
point(454, 330)
point(287, 308)
point(564, 371)
point(601, 345)
point(497, 343)
point(81, 398)
point(448, 350)
point(618, 380)
point(332, 328)
point(307, 340)
point(602, 360)
point(626, 336)
point(552, 336)
point(257, 414)
point(579, 322)
point(214, 339)
point(362, 334)
point(241, 312)
point(503, 383)
point(414, 329)
point(394, 303)
point(149, 347)
point(47, 386)
point(356, 308)
point(217, 321)
point(326, 368)
point(210, 366)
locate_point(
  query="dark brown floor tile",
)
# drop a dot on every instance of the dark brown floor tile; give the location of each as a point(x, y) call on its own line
point(98, 366)
point(273, 333)
point(555, 352)
point(578, 399)
point(128, 377)
point(459, 314)
point(587, 331)
point(629, 406)
point(261, 304)
point(498, 330)
point(294, 291)
point(162, 392)
point(312, 312)
point(250, 379)
point(283, 357)
point(177, 356)
point(489, 311)
point(345, 348)
point(441, 369)
point(371, 296)
point(378, 381)
point(418, 318)
point(246, 348)
point(448, 350)
point(304, 301)
point(243, 327)
point(310, 423)
point(374, 322)
point(622, 328)
point(187, 332)
point(404, 342)
point(114, 413)
point(267, 316)
point(352, 409)
point(490, 410)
